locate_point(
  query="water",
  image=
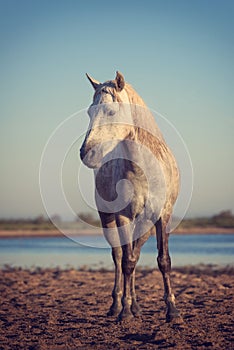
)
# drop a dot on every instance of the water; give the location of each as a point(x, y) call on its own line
point(63, 252)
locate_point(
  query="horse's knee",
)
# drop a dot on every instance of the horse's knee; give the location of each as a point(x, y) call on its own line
point(164, 263)
point(128, 265)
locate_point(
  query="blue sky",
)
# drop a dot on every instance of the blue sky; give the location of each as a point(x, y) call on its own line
point(177, 54)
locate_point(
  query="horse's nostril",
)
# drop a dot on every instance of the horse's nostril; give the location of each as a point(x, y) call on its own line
point(91, 153)
point(82, 153)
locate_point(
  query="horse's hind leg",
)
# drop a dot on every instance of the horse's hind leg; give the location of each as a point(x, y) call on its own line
point(137, 245)
point(116, 306)
point(164, 263)
point(135, 308)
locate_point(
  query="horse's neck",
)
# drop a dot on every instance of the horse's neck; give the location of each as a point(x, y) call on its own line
point(127, 157)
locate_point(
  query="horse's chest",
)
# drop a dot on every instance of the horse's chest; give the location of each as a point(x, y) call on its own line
point(121, 188)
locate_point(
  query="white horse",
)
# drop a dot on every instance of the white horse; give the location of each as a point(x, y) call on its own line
point(137, 183)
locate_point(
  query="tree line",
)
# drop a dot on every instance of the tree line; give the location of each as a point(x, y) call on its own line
point(224, 219)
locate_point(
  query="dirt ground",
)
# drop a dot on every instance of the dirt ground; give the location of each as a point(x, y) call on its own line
point(66, 309)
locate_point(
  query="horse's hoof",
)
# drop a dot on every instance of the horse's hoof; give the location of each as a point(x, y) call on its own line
point(136, 310)
point(113, 312)
point(173, 314)
point(125, 315)
point(174, 318)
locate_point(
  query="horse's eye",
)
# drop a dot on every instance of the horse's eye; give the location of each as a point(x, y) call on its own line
point(111, 112)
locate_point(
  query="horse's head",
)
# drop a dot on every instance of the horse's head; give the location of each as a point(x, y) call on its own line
point(110, 120)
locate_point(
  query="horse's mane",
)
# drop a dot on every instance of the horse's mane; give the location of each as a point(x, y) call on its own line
point(147, 132)
point(133, 96)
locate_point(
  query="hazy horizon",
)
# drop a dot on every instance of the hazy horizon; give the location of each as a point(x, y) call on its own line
point(45, 216)
point(177, 55)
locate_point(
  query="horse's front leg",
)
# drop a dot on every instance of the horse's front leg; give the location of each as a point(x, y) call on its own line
point(116, 306)
point(164, 264)
point(128, 266)
point(112, 236)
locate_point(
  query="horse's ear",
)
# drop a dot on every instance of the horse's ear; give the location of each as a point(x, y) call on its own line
point(94, 82)
point(119, 81)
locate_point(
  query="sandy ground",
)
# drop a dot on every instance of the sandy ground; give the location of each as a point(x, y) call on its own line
point(66, 309)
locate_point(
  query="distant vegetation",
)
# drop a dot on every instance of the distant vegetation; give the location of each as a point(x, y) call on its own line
point(224, 219)
point(38, 223)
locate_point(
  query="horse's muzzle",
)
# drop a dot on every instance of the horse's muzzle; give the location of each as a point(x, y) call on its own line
point(91, 158)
